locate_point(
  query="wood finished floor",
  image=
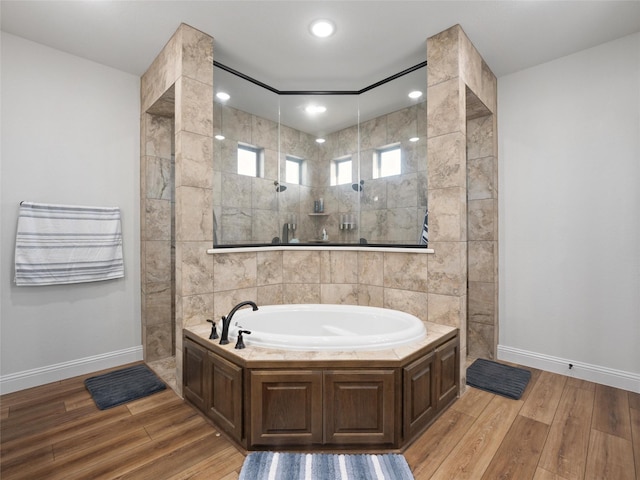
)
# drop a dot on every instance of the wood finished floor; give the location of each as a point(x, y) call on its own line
point(561, 429)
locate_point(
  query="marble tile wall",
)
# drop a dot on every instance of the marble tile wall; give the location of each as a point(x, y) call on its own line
point(482, 237)
point(391, 279)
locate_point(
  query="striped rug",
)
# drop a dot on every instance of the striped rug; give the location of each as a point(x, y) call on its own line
point(324, 466)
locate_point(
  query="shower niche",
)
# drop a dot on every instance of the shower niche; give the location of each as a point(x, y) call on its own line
point(315, 167)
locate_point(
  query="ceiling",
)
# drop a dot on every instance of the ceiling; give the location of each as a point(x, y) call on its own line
point(270, 40)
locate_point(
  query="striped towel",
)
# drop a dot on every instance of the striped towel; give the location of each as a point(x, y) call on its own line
point(60, 244)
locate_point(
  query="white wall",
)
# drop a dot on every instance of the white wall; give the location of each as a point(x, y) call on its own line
point(569, 150)
point(70, 135)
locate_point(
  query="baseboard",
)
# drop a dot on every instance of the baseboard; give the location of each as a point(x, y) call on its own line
point(584, 371)
point(54, 373)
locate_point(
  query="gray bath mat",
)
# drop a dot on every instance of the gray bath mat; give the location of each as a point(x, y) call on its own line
point(498, 378)
point(122, 386)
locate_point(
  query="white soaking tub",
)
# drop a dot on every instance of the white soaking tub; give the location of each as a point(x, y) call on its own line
point(327, 327)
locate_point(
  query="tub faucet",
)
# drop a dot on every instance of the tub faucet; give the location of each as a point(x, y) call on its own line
point(226, 321)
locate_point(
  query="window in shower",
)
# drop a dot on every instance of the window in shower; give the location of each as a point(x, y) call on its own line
point(341, 169)
point(250, 160)
point(294, 170)
point(387, 161)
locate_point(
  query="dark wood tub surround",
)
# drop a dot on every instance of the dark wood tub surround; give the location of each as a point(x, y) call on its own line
point(321, 401)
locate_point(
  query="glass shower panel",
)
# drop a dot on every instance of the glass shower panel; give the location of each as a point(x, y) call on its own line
point(319, 134)
point(320, 167)
point(245, 161)
point(394, 197)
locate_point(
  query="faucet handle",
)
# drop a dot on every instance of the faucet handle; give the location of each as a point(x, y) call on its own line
point(214, 333)
point(240, 343)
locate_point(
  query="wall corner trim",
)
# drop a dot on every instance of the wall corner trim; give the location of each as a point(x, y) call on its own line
point(14, 382)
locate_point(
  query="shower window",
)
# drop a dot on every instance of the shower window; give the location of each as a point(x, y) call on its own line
point(250, 160)
point(294, 170)
point(341, 169)
point(387, 161)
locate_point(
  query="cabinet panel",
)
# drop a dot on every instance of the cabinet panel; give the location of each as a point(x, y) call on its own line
point(225, 395)
point(359, 406)
point(419, 380)
point(448, 372)
point(286, 407)
point(194, 374)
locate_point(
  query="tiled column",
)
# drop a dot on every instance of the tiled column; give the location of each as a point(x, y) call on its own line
point(182, 74)
point(194, 185)
point(454, 68)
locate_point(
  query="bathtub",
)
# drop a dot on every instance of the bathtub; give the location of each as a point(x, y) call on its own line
point(327, 327)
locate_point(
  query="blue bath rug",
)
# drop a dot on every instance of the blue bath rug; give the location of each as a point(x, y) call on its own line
point(498, 378)
point(324, 466)
point(122, 386)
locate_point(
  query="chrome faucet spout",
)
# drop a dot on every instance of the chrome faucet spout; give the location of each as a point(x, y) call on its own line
point(226, 320)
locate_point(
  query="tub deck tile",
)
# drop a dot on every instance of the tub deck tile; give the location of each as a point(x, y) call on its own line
point(259, 354)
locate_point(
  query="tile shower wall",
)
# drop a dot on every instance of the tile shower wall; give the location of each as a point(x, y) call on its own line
point(391, 209)
point(157, 237)
point(482, 195)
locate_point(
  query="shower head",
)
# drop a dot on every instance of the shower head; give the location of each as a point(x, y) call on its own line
point(279, 188)
point(358, 187)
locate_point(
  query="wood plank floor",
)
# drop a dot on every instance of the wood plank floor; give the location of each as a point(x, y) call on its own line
point(561, 429)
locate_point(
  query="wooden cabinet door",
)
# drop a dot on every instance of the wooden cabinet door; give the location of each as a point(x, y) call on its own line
point(419, 387)
point(360, 407)
point(286, 407)
point(448, 372)
point(195, 374)
point(224, 400)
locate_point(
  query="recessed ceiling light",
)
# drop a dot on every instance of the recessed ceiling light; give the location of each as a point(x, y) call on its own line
point(320, 140)
point(322, 28)
point(219, 137)
point(414, 139)
point(415, 94)
point(224, 96)
point(315, 109)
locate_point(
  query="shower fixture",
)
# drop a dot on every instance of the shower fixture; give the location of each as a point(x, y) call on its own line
point(279, 188)
point(358, 187)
